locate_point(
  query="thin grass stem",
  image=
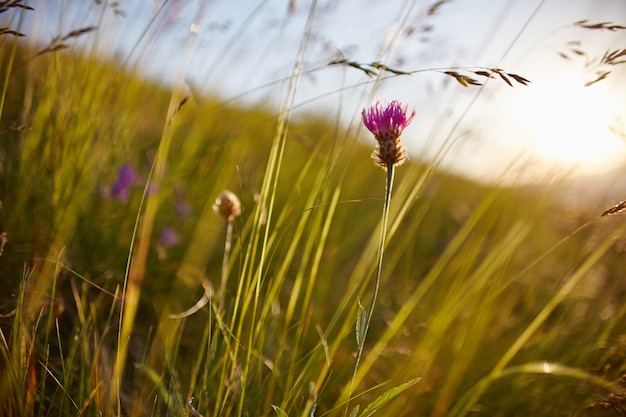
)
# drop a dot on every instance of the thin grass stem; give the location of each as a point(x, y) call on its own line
point(469, 399)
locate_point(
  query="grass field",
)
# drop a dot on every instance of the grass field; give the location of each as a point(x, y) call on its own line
point(493, 301)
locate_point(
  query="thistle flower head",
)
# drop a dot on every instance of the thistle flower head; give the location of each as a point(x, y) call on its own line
point(387, 122)
point(227, 205)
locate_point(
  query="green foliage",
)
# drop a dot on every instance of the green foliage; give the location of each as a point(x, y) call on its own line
point(487, 297)
point(387, 396)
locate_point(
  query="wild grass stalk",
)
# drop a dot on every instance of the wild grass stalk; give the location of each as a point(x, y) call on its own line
point(261, 235)
point(9, 67)
point(138, 254)
point(18, 391)
point(465, 403)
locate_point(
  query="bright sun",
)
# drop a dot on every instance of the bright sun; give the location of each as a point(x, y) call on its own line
point(569, 124)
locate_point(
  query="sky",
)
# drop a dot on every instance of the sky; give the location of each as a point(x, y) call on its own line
point(245, 50)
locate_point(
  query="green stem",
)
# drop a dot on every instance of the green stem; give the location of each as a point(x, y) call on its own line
point(381, 251)
point(225, 262)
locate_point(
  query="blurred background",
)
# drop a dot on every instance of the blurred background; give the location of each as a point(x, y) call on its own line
point(562, 125)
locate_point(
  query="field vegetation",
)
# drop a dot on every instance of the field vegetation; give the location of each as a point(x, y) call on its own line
point(493, 300)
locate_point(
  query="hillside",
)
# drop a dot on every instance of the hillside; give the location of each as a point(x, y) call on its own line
point(479, 285)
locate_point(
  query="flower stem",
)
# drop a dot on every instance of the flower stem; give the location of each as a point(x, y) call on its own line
point(381, 250)
point(225, 262)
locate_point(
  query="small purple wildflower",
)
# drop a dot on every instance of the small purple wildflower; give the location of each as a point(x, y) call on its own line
point(387, 122)
point(181, 205)
point(182, 208)
point(169, 238)
point(126, 178)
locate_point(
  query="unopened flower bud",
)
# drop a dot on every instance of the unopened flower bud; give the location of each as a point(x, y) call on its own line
point(227, 205)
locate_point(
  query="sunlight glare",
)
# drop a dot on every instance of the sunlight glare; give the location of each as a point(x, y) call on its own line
point(568, 123)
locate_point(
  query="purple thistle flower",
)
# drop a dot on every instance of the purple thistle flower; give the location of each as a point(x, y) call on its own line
point(387, 122)
point(126, 178)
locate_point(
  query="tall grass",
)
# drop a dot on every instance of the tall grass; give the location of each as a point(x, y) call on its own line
point(491, 301)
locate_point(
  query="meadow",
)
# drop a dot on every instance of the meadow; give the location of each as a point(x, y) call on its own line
point(490, 301)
